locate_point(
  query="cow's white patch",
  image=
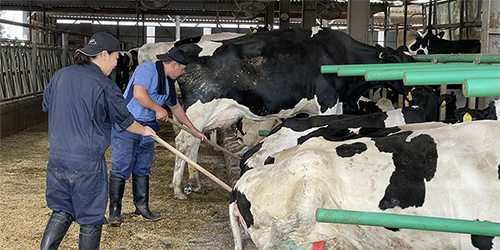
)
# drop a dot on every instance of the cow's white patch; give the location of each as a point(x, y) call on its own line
point(394, 118)
point(277, 142)
point(315, 30)
point(224, 112)
point(315, 176)
point(208, 48)
point(497, 107)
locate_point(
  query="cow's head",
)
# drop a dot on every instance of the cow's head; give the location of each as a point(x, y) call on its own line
point(422, 42)
point(390, 55)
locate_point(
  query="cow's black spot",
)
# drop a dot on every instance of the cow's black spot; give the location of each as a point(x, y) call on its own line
point(269, 160)
point(482, 242)
point(499, 172)
point(349, 150)
point(415, 162)
point(244, 206)
point(392, 229)
point(243, 165)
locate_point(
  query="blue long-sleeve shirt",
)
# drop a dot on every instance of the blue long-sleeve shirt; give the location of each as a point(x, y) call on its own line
point(83, 104)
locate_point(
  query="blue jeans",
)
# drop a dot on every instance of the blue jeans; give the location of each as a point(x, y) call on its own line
point(131, 153)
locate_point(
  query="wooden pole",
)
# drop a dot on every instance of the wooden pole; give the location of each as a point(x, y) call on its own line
point(208, 141)
point(194, 164)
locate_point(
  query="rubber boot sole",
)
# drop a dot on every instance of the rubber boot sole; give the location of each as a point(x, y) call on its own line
point(152, 220)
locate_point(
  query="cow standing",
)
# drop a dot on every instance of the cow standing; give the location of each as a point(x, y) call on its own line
point(271, 75)
point(452, 171)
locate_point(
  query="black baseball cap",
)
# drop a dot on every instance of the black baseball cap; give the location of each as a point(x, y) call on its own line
point(99, 42)
point(175, 54)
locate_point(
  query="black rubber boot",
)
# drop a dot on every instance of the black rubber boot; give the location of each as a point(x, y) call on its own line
point(140, 189)
point(90, 237)
point(56, 228)
point(116, 188)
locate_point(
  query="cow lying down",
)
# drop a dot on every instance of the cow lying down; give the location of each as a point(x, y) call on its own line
point(452, 171)
point(294, 131)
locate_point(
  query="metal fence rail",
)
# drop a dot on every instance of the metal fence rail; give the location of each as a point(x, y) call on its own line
point(16, 80)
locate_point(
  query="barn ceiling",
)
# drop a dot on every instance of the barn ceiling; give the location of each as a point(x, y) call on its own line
point(237, 9)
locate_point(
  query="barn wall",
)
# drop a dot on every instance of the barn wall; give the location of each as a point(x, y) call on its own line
point(20, 115)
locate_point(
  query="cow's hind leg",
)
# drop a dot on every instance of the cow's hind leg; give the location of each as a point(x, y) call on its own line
point(184, 143)
point(235, 226)
point(194, 176)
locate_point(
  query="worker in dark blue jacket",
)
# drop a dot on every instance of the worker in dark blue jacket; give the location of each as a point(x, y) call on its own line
point(83, 104)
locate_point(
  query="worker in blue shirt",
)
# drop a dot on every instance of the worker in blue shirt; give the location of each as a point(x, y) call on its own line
point(151, 86)
point(83, 104)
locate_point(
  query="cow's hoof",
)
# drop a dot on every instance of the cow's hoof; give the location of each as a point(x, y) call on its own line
point(180, 196)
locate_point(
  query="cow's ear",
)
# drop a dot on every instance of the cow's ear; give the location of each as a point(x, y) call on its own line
point(381, 51)
point(444, 99)
point(440, 35)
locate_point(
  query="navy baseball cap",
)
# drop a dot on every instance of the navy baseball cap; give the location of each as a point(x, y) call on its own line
point(175, 54)
point(100, 42)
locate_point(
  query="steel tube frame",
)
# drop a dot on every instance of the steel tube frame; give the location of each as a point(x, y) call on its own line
point(447, 77)
point(397, 74)
point(481, 87)
point(408, 221)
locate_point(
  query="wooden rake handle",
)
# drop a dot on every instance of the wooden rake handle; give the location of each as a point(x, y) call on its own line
point(194, 164)
point(208, 141)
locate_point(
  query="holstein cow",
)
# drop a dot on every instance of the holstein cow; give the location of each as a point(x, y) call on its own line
point(294, 131)
point(149, 51)
point(434, 44)
point(272, 75)
point(126, 64)
point(247, 131)
point(451, 172)
point(466, 114)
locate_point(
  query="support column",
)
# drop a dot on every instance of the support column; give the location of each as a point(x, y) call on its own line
point(64, 56)
point(269, 16)
point(308, 13)
point(490, 35)
point(284, 14)
point(177, 28)
point(358, 17)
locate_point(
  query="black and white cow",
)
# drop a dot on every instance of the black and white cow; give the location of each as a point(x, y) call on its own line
point(126, 64)
point(434, 44)
point(272, 75)
point(247, 131)
point(294, 131)
point(208, 43)
point(452, 172)
point(466, 114)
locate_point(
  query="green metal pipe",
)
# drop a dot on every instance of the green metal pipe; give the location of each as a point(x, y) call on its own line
point(334, 68)
point(397, 74)
point(481, 87)
point(481, 58)
point(447, 77)
point(359, 70)
point(408, 221)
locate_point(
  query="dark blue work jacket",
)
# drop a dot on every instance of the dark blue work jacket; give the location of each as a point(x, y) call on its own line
point(83, 104)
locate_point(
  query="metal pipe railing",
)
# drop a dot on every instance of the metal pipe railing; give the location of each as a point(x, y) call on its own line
point(362, 67)
point(397, 74)
point(476, 58)
point(483, 228)
point(447, 77)
point(481, 87)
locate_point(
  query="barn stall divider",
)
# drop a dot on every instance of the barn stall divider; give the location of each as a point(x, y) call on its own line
point(479, 74)
point(484, 228)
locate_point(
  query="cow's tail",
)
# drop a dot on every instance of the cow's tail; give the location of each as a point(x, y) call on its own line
point(235, 226)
